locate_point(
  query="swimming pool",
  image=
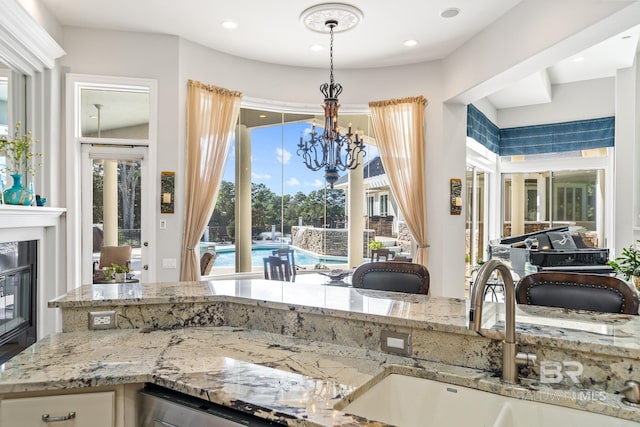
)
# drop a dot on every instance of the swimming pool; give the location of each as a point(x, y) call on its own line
point(227, 257)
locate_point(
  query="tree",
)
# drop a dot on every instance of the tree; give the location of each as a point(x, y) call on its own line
point(129, 190)
point(269, 208)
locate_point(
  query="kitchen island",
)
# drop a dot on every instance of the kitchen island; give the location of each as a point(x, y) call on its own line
point(291, 351)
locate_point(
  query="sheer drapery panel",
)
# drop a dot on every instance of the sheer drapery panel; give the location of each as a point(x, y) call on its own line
point(212, 113)
point(399, 130)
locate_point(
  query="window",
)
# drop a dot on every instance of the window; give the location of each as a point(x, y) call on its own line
point(290, 204)
point(384, 204)
point(370, 205)
point(553, 199)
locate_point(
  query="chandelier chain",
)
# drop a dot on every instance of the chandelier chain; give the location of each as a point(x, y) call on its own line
point(331, 81)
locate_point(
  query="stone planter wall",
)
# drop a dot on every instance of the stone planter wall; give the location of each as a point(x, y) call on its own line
point(327, 241)
point(404, 237)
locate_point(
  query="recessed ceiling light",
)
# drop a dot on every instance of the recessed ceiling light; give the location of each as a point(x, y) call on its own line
point(450, 12)
point(229, 25)
point(410, 43)
point(578, 59)
point(263, 116)
point(316, 47)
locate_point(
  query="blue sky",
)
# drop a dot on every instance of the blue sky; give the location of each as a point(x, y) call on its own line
point(276, 164)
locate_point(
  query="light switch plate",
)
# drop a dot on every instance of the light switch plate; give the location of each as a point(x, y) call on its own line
point(395, 342)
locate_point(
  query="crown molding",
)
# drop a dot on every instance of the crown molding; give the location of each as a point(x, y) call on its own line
point(24, 45)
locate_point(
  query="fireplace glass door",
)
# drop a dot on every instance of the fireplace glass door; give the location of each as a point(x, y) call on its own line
point(17, 297)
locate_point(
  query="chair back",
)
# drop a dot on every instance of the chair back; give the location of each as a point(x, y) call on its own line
point(401, 258)
point(381, 254)
point(276, 268)
point(114, 255)
point(287, 254)
point(392, 276)
point(206, 263)
point(577, 291)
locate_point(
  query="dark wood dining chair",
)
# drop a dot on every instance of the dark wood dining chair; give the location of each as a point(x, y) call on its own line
point(401, 258)
point(287, 254)
point(381, 254)
point(276, 268)
point(578, 291)
point(392, 276)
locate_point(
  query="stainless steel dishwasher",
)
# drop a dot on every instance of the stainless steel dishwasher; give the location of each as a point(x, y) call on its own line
point(162, 407)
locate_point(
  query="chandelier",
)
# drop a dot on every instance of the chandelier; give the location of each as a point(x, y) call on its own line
point(326, 150)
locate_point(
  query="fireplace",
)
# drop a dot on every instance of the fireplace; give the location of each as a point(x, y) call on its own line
point(18, 296)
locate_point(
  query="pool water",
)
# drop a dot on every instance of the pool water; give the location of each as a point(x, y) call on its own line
point(227, 257)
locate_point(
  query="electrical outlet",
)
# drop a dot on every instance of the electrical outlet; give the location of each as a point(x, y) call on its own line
point(103, 319)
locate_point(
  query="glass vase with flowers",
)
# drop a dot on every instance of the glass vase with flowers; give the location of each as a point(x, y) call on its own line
point(20, 163)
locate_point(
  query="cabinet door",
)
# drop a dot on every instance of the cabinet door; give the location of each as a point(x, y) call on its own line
point(69, 410)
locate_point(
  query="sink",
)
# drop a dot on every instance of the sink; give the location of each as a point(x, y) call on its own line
point(407, 401)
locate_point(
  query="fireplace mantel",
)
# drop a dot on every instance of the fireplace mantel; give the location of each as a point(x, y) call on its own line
point(16, 216)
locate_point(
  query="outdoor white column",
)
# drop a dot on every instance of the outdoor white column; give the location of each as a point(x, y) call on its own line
point(542, 198)
point(243, 199)
point(600, 212)
point(110, 204)
point(356, 217)
point(517, 204)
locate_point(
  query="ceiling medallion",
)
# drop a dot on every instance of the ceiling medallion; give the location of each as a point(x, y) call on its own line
point(316, 17)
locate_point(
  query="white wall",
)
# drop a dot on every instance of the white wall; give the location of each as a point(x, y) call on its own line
point(572, 101)
point(532, 36)
point(125, 54)
point(626, 145)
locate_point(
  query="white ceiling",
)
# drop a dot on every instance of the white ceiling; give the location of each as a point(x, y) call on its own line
point(271, 31)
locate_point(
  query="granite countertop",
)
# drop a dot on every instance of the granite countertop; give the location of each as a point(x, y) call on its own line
point(606, 334)
point(290, 380)
point(279, 377)
point(300, 381)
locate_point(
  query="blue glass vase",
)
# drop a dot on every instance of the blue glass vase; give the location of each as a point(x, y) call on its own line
point(17, 194)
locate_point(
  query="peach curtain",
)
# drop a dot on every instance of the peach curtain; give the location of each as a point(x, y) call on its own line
point(212, 113)
point(399, 130)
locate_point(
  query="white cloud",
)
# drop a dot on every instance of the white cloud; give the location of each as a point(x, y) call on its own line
point(260, 176)
point(317, 183)
point(283, 155)
point(293, 182)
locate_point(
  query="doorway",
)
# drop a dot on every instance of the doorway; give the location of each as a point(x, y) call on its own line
point(111, 190)
point(114, 181)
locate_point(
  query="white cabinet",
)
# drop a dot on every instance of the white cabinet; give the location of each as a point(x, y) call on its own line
point(67, 410)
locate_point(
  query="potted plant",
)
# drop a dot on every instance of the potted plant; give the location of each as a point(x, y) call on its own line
point(628, 263)
point(19, 162)
point(118, 272)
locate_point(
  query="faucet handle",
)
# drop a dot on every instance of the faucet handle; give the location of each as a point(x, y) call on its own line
point(631, 391)
point(526, 359)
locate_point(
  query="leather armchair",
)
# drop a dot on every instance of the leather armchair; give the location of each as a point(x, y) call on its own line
point(577, 291)
point(392, 276)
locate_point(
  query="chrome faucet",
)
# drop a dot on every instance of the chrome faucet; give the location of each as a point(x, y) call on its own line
point(511, 359)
